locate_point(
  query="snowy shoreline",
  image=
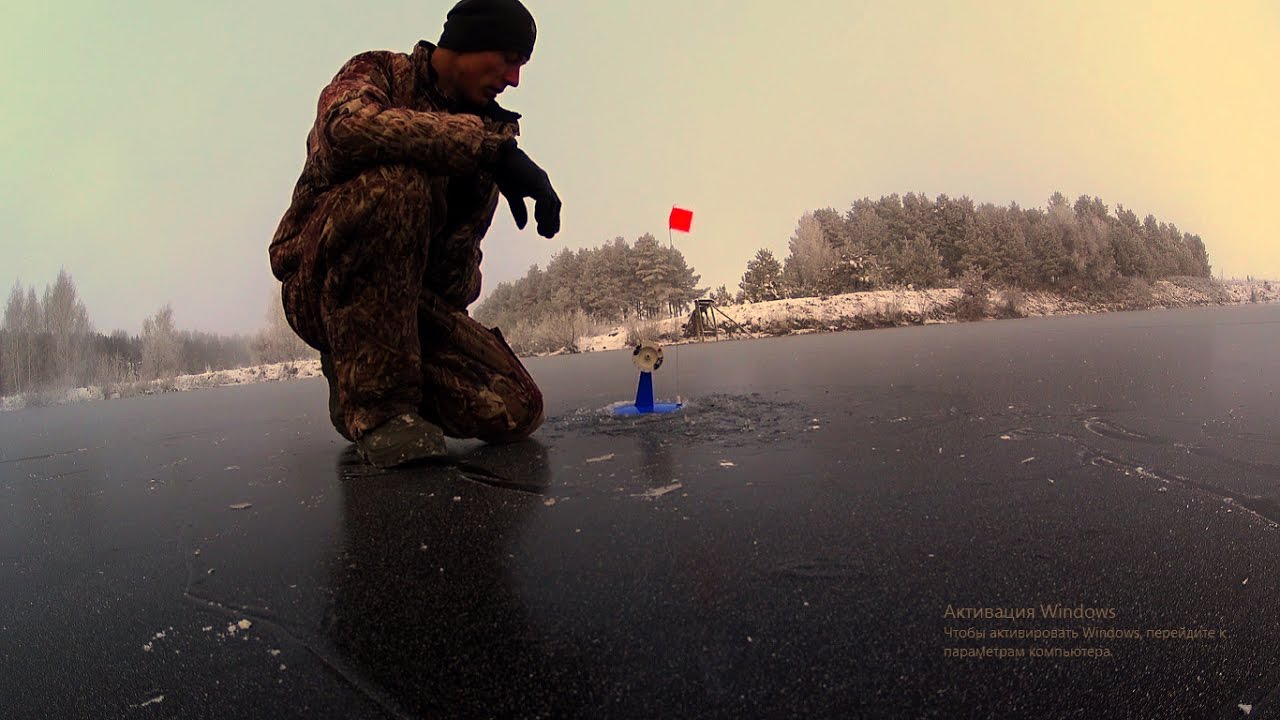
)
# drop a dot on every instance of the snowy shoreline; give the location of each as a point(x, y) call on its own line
point(853, 311)
point(897, 308)
point(291, 370)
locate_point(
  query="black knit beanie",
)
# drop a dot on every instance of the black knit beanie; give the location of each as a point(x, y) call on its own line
point(479, 25)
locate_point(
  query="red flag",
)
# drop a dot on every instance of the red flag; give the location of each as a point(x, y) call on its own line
point(681, 219)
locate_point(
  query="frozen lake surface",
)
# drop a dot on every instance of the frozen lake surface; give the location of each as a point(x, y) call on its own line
point(865, 524)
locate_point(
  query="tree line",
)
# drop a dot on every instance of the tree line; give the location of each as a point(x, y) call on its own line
point(615, 282)
point(914, 242)
point(47, 343)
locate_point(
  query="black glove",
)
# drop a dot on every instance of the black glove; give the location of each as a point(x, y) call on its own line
point(518, 177)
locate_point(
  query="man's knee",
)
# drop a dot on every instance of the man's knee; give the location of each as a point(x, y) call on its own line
point(523, 416)
point(495, 408)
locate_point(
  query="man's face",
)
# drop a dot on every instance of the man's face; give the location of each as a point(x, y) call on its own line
point(482, 76)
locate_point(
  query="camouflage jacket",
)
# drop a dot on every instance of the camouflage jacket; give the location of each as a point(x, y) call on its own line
point(385, 108)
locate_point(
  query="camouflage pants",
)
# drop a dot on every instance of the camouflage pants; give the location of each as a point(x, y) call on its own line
point(393, 343)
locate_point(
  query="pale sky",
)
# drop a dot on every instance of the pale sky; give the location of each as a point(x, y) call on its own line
point(150, 147)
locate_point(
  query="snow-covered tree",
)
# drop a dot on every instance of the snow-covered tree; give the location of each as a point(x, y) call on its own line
point(276, 342)
point(67, 322)
point(161, 347)
point(810, 268)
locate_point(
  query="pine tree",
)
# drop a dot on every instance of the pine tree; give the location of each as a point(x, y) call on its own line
point(1200, 257)
point(955, 229)
point(1131, 256)
point(651, 270)
point(564, 280)
point(1089, 247)
point(681, 284)
point(919, 215)
point(915, 263)
point(763, 279)
point(605, 278)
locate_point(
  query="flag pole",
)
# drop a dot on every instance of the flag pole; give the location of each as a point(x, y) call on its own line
point(686, 223)
point(671, 246)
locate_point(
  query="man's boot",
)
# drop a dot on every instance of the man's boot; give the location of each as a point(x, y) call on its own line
point(402, 439)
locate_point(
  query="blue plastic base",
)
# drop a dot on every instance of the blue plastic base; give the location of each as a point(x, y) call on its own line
point(656, 408)
point(644, 400)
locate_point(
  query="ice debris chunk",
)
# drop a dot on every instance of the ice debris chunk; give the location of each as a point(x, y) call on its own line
point(659, 491)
